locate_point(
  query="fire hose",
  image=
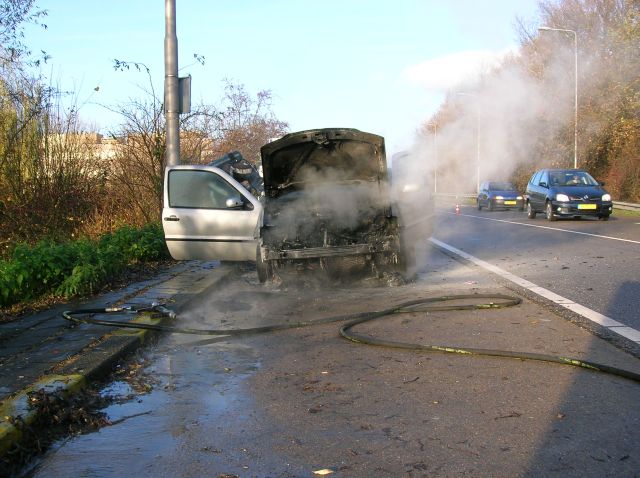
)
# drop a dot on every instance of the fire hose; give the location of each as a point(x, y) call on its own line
point(495, 301)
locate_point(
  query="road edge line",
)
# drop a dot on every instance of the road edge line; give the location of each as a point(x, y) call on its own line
point(618, 328)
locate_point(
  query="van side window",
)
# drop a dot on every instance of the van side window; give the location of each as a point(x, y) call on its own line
point(199, 189)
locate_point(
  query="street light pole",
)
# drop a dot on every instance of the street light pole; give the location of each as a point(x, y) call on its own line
point(477, 138)
point(575, 69)
point(171, 86)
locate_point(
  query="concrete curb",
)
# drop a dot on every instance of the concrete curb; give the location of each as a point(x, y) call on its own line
point(98, 358)
point(19, 409)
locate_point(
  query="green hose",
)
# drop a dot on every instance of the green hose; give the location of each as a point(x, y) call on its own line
point(496, 301)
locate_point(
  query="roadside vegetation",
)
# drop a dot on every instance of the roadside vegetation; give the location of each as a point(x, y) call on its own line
point(83, 266)
point(73, 218)
point(625, 212)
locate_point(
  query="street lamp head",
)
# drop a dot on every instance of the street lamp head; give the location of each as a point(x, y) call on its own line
point(565, 30)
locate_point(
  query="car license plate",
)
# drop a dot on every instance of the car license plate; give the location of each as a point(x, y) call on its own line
point(587, 206)
point(510, 203)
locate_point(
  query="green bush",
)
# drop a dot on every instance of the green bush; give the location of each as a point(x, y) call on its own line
point(78, 267)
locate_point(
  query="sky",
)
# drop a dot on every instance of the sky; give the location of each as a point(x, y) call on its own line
point(378, 66)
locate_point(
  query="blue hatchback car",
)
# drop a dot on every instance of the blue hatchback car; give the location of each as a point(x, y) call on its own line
point(499, 195)
point(567, 193)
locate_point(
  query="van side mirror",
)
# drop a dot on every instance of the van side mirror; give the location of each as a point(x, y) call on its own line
point(544, 184)
point(234, 203)
point(601, 183)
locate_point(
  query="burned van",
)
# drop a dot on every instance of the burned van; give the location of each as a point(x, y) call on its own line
point(326, 206)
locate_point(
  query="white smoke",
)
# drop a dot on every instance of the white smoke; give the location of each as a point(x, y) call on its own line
point(442, 73)
point(489, 127)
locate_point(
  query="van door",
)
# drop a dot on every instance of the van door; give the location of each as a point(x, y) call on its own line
point(209, 215)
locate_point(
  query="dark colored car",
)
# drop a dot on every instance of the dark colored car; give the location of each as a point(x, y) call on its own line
point(499, 195)
point(567, 193)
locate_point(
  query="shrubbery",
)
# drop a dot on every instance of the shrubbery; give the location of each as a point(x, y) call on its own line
point(78, 267)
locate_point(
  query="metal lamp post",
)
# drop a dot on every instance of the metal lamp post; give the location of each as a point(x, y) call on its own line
point(575, 66)
point(171, 85)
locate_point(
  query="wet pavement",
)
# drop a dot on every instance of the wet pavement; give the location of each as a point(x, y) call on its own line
point(45, 351)
point(304, 401)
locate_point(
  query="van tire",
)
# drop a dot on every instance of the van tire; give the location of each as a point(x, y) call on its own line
point(263, 267)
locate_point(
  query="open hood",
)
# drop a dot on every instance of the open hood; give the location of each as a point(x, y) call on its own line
point(313, 157)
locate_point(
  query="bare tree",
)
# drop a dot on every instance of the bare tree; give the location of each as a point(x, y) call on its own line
point(244, 123)
point(48, 182)
point(136, 175)
point(14, 15)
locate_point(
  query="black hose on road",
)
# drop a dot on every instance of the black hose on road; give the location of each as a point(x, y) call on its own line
point(432, 304)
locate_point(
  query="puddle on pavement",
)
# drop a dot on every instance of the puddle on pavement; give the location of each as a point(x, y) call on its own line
point(193, 388)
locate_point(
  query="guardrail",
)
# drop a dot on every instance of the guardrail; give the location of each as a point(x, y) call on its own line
point(447, 195)
point(627, 206)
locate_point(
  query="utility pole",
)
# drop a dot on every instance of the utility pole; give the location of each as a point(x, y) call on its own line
point(171, 85)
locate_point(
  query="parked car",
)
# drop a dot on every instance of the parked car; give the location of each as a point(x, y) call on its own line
point(567, 193)
point(326, 205)
point(499, 194)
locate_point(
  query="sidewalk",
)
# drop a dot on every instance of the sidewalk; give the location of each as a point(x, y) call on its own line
point(46, 351)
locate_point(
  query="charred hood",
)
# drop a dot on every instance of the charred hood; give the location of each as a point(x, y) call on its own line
point(313, 157)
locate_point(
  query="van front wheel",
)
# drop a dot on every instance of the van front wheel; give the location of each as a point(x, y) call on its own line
point(263, 267)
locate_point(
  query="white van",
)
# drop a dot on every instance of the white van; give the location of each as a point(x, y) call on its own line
point(326, 205)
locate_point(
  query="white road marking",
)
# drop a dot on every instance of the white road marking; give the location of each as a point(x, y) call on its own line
point(611, 324)
point(547, 227)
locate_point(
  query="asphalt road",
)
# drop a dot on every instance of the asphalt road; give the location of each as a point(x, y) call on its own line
point(304, 402)
point(591, 262)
